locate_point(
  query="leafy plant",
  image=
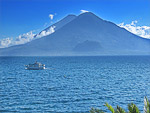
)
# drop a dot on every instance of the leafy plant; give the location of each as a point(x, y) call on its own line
point(94, 110)
point(146, 105)
point(110, 107)
point(132, 108)
point(120, 110)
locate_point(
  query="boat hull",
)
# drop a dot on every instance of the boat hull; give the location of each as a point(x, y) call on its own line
point(35, 68)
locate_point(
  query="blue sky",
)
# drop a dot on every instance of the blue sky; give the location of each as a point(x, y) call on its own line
point(21, 16)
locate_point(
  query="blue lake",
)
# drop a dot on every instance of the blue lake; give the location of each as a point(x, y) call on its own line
point(73, 84)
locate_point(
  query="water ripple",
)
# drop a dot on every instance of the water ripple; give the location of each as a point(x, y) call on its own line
point(73, 84)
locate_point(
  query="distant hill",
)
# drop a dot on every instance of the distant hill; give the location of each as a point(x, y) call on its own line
point(86, 34)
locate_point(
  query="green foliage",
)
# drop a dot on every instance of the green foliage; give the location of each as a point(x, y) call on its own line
point(146, 105)
point(120, 110)
point(94, 110)
point(110, 107)
point(132, 108)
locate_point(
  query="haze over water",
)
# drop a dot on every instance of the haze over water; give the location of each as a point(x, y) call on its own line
point(73, 84)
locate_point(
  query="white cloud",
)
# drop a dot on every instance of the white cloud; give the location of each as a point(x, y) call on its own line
point(24, 38)
point(134, 22)
point(27, 37)
point(51, 16)
point(143, 31)
point(21, 39)
point(5, 42)
point(46, 32)
point(84, 11)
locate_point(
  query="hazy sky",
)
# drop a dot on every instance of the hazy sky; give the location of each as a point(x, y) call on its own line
point(21, 16)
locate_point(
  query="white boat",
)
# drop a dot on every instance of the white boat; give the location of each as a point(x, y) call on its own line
point(35, 66)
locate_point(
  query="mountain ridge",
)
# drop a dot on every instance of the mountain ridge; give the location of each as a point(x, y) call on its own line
point(87, 26)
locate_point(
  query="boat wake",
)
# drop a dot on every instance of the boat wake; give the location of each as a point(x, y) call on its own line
point(49, 68)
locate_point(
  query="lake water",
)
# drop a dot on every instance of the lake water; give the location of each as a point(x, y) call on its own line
point(73, 84)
